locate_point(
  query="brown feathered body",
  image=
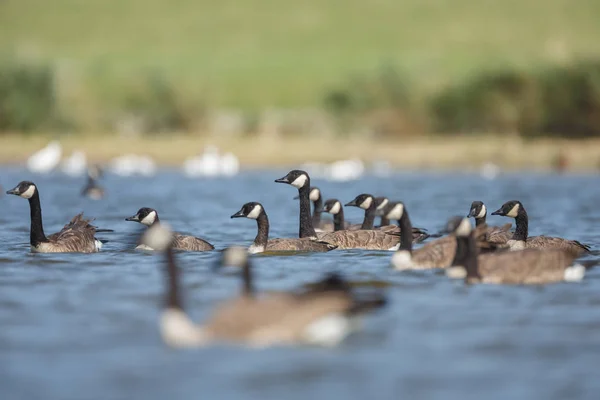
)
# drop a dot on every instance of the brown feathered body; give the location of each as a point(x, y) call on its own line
point(361, 239)
point(573, 247)
point(78, 236)
point(191, 243)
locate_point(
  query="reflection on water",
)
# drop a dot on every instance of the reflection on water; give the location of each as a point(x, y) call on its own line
point(84, 326)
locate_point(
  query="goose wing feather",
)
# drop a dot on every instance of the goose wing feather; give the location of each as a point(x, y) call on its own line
point(76, 236)
point(191, 243)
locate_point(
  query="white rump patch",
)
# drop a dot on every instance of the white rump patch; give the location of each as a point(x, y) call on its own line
point(402, 260)
point(255, 212)
point(158, 237)
point(383, 204)
point(335, 209)
point(482, 212)
point(29, 192)
point(300, 181)
point(394, 248)
point(253, 249)
point(513, 211)
point(98, 244)
point(366, 203)
point(314, 194)
point(574, 273)
point(516, 245)
point(464, 228)
point(396, 212)
point(178, 330)
point(149, 219)
point(328, 331)
point(456, 272)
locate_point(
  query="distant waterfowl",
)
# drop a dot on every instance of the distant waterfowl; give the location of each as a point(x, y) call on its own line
point(75, 164)
point(520, 239)
point(323, 316)
point(495, 234)
point(347, 239)
point(211, 163)
point(262, 243)
point(46, 159)
point(133, 164)
point(317, 200)
point(78, 236)
point(92, 189)
point(149, 217)
point(529, 266)
point(438, 253)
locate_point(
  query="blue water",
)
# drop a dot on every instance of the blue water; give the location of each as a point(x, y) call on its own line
point(85, 326)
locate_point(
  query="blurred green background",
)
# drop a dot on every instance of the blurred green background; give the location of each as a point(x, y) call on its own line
point(407, 67)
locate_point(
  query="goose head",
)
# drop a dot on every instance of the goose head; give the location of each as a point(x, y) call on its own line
point(460, 226)
point(393, 211)
point(25, 189)
point(297, 178)
point(145, 216)
point(364, 201)
point(478, 210)
point(380, 203)
point(510, 209)
point(332, 206)
point(250, 210)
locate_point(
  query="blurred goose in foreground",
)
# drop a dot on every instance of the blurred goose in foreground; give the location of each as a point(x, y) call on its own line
point(322, 316)
point(529, 266)
point(348, 239)
point(317, 200)
point(78, 236)
point(262, 243)
point(520, 239)
point(438, 253)
point(495, 234)
point(149, 217)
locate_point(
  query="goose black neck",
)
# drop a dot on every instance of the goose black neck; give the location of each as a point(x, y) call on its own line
point(248, 289)
point(338, 220)
point(173, 295)
point(156, 220)
point(480, 221)
point(384, 221)
point(466, 256)
point(522, 229)
point(406, 236)
point(262, 237)
point(306, 226)
point(369, 219)
point(317, 207)
point(36, 233)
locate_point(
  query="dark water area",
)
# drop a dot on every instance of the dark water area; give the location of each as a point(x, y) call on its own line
point(76, 326)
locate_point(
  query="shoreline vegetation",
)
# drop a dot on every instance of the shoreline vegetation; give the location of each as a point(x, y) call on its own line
point(426, 153)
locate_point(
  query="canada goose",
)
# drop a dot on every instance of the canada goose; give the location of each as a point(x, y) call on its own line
point(380, 203)
point(335, 208)
point(529, 266)
point(92, 189)
point(520, 239)
point(262, 242)
point(438, 253)
point(78, 236)
point(368, 203)
point(347, 239)
point(495, 234)
point(149, 217)
point(316, 317)
point(317, 200)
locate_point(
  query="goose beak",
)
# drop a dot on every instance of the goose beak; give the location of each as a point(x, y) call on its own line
point(134, 218)
point(351, 204)
point(239, 214)
point(282, 180)
point(472, 213)
point(14, 191)
point(498, 212)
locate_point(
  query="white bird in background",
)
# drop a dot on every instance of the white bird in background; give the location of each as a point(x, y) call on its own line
point(46, 159)
point(211, 164)
point(75, 164)
point(132, 164)
point(346, 170)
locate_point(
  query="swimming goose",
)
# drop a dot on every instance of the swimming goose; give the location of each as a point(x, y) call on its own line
point(335, 208)
point(380, 203)
point(495, 234)
point(520, 239)
point(529, 266)
point(149, 217)
point(317, 200)
point(262, 242)
point(315, 317)
point(368, 203)
point(78, 236)
point(435, 254)
point(92, 189)
point(360, 239)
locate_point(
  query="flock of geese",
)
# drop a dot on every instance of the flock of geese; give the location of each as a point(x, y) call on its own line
point(327, 312)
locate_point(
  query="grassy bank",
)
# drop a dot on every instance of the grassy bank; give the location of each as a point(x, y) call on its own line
point(432, 153)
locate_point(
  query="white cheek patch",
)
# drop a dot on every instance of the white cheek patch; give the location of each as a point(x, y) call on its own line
point(513, 211)
point(396, 212)
point(366, 203)
point(314, 195)
point(482, 212)
point(464, 228)
point(383, 204)
point(254, 214)
point(28, 193)
point(336, 208)
point(300, 181)
point(149, 219)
